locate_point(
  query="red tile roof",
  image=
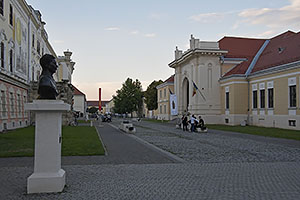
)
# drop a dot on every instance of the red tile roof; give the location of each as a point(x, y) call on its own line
point(240, 48)
point(77, 91)
point(170, 79)
point(282, 49)
point(96, 103)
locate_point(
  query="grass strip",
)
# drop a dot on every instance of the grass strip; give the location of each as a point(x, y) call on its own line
point(77, 141)
point(263, 131)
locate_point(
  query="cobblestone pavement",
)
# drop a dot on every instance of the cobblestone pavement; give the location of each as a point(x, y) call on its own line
point(240, 181)
point(217, 146)
point(219, 165)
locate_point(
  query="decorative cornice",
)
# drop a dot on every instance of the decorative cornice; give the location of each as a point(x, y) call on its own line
point(13, 81)
point(193, 52)
point(232, 77)
point(164, 85)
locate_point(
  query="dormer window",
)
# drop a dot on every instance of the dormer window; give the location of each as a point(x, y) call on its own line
point(280, 49)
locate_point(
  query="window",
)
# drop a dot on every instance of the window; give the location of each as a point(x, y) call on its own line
point(262, 99)
point(165, 92)
point(226, 120)
point(160, 94)
point(3, 102)
point(32, 75)
point(227, 100)
point(11, 60)
point(2, 54)
point(292, 95)
point(160, 109)
point(2, 7)
point(254, 99)
point(165, 109)
point(12, 106)
point(292, 122)
point(33, 40)
point(11, 14)
point(19, 103)
point(38, 47)
point(270, 98)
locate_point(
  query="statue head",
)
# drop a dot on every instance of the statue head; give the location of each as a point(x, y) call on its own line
point(48, 63)
point(47, 86)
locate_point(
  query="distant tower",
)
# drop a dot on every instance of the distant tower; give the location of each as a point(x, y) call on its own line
point(99, 100)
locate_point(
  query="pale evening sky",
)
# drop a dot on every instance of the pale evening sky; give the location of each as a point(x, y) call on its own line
point(116, 39)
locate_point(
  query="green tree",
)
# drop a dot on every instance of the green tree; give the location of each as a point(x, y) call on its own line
point(92, 109)
point(151, 95)
point(129, 98)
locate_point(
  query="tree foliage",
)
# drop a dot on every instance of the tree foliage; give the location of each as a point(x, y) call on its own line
point(92, 109)
point(129, 98)
point(151, 95)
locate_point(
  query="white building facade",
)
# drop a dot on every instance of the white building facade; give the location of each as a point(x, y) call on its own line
point(199, 67)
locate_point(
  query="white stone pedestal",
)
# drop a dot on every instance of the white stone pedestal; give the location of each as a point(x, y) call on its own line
point(48, 175)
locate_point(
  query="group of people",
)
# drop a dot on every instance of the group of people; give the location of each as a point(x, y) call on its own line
point(195, 123)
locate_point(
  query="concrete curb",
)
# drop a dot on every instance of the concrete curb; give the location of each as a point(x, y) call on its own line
point(103, 145)
point(155, 148)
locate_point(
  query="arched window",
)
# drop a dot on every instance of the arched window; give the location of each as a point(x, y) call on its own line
point(11, 60)
point(2, 54)
point(2, 7)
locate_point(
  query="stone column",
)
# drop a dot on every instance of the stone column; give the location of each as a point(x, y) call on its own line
point(48, 175)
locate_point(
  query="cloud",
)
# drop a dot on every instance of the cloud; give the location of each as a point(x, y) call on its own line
point(208, 17)
point(134, 32)
point(112, 29)
point(286, 16)
point(150, 35)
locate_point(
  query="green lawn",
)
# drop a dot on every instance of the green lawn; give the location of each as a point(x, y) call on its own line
point(263, 131)
point(77, 141)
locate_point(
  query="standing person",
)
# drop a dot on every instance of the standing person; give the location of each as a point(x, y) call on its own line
point(184, 123)
point(193, 121)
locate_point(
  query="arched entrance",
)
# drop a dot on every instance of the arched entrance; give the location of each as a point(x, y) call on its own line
point(185, 94)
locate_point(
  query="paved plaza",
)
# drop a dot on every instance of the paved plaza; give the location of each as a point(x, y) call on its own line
point(161, 162)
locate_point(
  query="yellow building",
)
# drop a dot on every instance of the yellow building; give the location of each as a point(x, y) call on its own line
point(163, 99)
point(253, 81)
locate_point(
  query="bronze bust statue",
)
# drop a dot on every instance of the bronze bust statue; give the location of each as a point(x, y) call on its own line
point(47, 86)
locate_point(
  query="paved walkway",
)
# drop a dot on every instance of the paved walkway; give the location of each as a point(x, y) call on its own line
point(219, 165)
point(218, 146)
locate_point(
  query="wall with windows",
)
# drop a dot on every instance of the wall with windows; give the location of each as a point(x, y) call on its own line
point(163, 92)
point(277, 100)
point(12, 100)
point(234, 101)
point(274, 100)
